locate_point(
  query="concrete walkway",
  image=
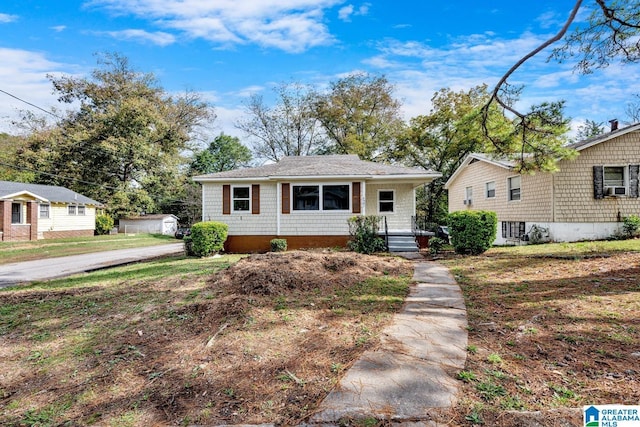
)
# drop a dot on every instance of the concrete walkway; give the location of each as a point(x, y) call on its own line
point(51, 268)
point(410, 379)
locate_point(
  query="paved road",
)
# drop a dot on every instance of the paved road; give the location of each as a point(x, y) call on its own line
point(45, 269)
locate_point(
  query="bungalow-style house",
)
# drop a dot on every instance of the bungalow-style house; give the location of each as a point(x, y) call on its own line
point(153, 224)
point(307, 200)
point(585, 200)
point(35, 211)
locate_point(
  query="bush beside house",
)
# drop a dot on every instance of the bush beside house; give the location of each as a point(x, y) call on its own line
point(207, 238)
point(472, 232)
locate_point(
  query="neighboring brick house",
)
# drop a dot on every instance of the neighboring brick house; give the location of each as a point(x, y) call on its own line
point(585, 200)
point(307, 200)
point(35, 211)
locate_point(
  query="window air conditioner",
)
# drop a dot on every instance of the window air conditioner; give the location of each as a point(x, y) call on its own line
point(467, 201)
point(615, 191)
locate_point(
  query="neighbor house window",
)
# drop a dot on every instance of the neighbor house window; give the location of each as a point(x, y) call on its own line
point(72, 209)
point(513, 229)
point(16, 213)
point(386, 201)
point(241, 198)
point(490, 189)
point(615, 180)
point(44, 210)
point(468, 195)
point(513, 186)
point(335, 197)
point(81, 210)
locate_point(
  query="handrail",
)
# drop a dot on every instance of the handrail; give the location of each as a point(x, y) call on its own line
point(386, 232)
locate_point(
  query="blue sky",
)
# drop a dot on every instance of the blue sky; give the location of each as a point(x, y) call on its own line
point(230, 49)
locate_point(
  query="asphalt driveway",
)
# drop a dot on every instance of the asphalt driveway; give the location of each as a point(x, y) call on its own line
point(52, 268)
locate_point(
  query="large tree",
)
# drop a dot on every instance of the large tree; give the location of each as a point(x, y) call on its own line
point(121, 142)
point(610, 33)
point(10, 146)
point(443, 138)
point(359, 115)
point(288, 128)
point(224, 153)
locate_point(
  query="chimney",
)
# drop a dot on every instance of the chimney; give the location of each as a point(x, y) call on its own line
point(614, 124)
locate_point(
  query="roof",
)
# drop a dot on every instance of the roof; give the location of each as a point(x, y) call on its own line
point(590, 142)
point(314, 167)
point(148, 217)
point(500, 162)
point(47, 193)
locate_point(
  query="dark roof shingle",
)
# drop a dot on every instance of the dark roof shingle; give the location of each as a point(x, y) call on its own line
point(51, 193)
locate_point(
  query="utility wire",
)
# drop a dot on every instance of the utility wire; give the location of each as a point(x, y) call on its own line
point(31, 104)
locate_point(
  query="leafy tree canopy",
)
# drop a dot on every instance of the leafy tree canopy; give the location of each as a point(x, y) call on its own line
point(122, 143)
point(223, 154)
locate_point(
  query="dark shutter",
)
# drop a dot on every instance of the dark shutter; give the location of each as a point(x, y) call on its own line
point(255, 199)
point(355, 197)
point(521, 229)
point(226, 199)
point(504, 229)
point(286, 196)
point(598, 182)
point(633, 180)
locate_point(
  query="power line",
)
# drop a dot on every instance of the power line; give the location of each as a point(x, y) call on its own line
point(31, 104)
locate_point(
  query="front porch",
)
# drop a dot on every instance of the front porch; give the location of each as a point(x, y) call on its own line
point(407, 240)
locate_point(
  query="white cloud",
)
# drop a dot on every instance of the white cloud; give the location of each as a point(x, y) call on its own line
point(24, 75)
point(59, 28)
point(6, 18)
point(158, 38)
point(289, 25)
point(344, 14)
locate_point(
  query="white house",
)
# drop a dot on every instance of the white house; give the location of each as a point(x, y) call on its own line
point(154, 224)
point(307, 200)
point(35, 211)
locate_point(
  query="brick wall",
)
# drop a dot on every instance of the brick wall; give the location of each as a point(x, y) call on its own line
point(65, 234)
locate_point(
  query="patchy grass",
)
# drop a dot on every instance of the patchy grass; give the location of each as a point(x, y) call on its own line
point(550, 327)
point(26, 251)
point(192, 341)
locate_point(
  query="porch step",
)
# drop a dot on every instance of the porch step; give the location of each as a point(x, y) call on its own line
point(402, 243)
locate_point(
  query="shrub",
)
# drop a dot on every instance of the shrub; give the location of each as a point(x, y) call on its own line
point(104, 224)
point(472, 232)
point(435, 245)
point(364, 234)
point(278, 245)
point(631, 226)
point(207, 238)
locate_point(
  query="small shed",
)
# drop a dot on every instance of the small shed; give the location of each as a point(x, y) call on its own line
point(153, 224)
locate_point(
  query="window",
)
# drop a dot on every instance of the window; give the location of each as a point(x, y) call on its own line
point(16, 213)
point(81, 210)
point(335, 197)
point(241, 198)
point(490, 189)
point(72, 209)
point(386, 201)
point(513, 186)
point(44, 210)
point(306, 197)
point(513, 229)
point(468, 195)
point(615, 180)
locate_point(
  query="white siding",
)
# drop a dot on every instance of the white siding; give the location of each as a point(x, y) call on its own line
point(60, 220)
point(404, 204)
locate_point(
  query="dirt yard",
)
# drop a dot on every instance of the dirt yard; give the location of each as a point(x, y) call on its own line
point(261, 341)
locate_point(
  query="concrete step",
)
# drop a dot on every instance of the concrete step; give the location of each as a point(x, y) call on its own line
point(402, 243)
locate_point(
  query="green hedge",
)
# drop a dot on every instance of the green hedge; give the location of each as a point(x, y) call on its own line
point(472, 232)
point(104, 224)
point(207, 238)
point(278, 245)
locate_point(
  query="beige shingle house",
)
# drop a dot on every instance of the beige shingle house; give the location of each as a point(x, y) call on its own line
point(308, 200)
point(585, 200)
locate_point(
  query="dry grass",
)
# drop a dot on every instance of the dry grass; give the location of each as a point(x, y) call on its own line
point(186, 341)
point(549, 327)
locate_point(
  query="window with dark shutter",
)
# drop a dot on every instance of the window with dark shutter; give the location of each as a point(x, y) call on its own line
point(255, 199)
point(286, 198)
point(598, 182)
point(355, 196)
point(226, 199)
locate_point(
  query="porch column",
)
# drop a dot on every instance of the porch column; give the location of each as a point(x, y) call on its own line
point(6, 220)
point(32, 218)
